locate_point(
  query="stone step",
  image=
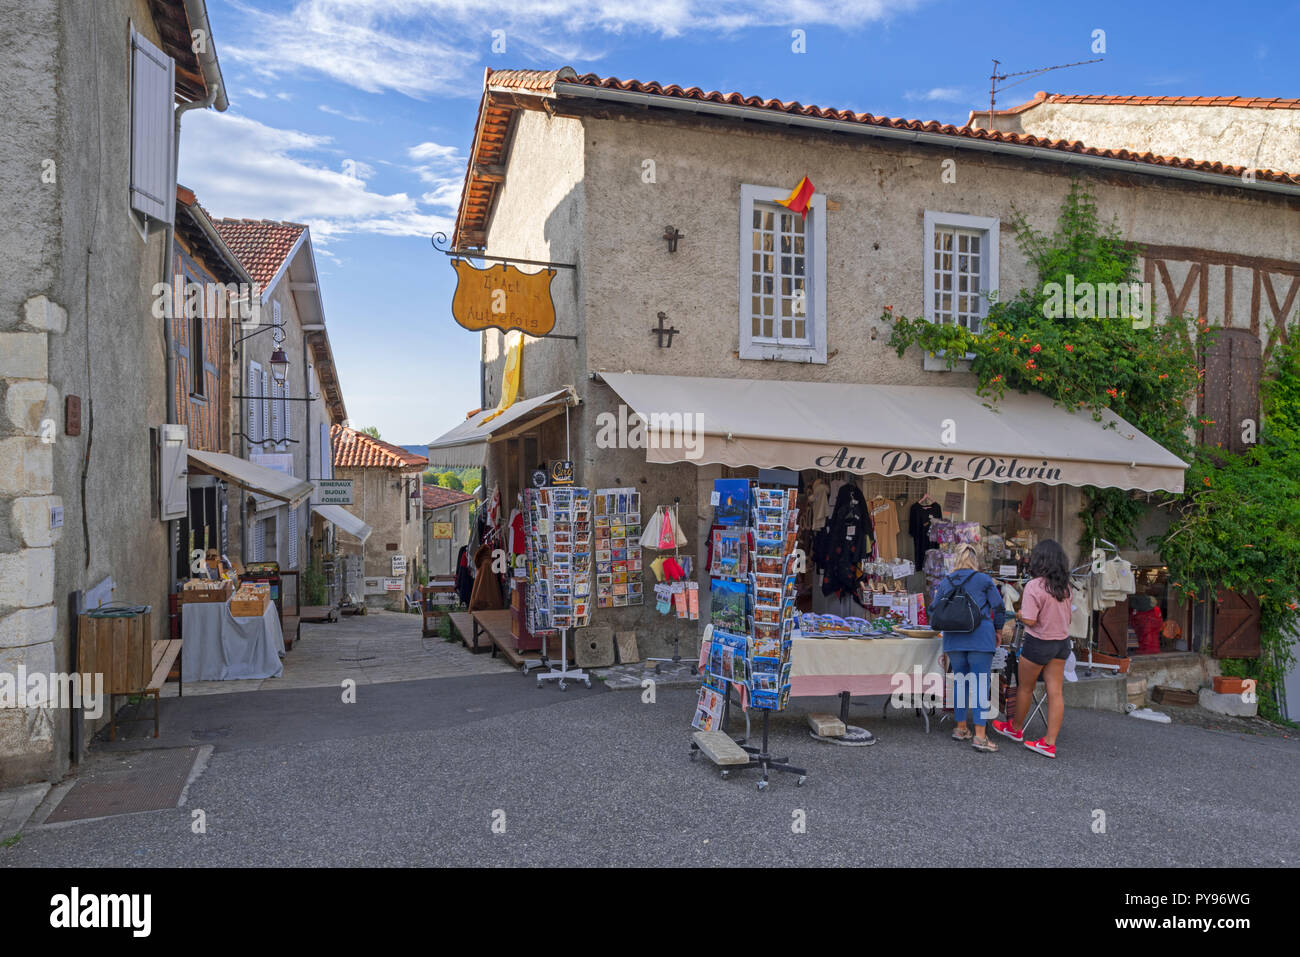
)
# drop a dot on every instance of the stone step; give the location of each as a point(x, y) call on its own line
point(826, 725)
point(718, 747)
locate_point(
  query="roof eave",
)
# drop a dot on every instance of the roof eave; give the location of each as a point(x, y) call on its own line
point(760, 115)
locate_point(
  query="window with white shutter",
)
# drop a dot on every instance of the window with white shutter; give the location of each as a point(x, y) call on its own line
point(265, 403)
point(254, 403)
point(293, 538)
point(153, 178)
point(327, 452)
point(174, 485)
point(259, 540)
point(277, 414)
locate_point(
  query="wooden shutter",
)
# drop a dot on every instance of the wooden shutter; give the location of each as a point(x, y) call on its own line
point(153, 180)
point(277, 419)
point(1236, 625)
point(293, 538)
point(1230, 392)
point(327, 452)
point(1112, 630)
point(174, 480)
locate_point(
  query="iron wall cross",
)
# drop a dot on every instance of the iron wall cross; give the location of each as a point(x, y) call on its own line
point(660, 332)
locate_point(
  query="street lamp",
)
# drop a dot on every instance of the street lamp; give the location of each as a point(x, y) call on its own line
point(279, 365)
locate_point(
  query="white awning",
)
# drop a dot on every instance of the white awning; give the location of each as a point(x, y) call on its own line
point(257, 479)
point(345, 520)
point(466, 444)
point(891, 430)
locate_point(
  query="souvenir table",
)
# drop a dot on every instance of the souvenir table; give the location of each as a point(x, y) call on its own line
point(822, 667)
point(221, 647)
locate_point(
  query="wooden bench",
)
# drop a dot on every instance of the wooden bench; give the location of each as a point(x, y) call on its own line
point(165, 654)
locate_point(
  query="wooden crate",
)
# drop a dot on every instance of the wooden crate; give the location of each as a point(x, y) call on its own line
point(248, 607)
point(1163, 694)
point(191, 596)
point(121, 649)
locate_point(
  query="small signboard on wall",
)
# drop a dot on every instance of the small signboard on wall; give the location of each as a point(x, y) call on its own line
point(332, 492)
point(399, 564)
point(393, 584)
point(440, 530)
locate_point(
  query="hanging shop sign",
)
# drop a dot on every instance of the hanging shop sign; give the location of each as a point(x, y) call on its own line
point(562, 473)
point(503, 297)
point(332, 492)
point(440, 530)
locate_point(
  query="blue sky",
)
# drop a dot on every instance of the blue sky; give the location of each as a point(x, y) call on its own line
point(355, 117)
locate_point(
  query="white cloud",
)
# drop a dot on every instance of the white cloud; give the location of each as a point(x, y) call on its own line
point(240, 167)
point(354, 117)
point(256, 94)
point(939, 94)
point(424, 48)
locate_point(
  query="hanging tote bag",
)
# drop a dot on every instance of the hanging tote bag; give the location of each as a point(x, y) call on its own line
point(650, 536)
point(667, 532)
point(956, 611)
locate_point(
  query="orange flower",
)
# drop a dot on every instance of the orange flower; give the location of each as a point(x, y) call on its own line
point(1069, 348)
point(1164, 375)
point(997, 378)
point(1206, 480)
point(1031, 364)
point(1036, 348)
point(1113, 392)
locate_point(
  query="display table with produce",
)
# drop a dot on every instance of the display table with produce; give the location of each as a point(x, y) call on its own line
point(228, 640)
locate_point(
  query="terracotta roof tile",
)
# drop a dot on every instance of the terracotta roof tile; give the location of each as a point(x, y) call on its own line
point(260, 244)
point(435, 496)
point(495, 115)
point(356, 450)
point(1243, 102)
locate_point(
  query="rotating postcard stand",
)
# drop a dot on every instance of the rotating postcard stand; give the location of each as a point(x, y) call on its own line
point(563, 529)
point(752, 616)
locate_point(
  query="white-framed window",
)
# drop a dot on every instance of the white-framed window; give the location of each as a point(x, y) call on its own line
point(782, 277)
point(960, 267)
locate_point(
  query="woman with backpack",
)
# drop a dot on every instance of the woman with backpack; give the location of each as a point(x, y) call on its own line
point(1045, 613)
point(969, 610)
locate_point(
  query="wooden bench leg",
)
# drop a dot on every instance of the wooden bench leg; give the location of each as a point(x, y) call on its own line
point(155, 713)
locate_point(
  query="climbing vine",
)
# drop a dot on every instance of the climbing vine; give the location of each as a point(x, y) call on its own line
point(1238, 526)
point(1064, 338)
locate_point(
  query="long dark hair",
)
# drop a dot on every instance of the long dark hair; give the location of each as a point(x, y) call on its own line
point(1048, 562)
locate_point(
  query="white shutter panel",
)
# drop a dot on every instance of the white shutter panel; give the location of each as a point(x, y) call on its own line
point(259, 540)
point(293, 538)
point(153, 180)
point(277, 407)
point(265, 402)
point(254, 387)
point(174, 480)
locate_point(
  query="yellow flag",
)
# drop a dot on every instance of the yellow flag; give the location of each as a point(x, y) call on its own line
point(510, 378)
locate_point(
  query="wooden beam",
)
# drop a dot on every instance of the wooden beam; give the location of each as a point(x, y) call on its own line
point(490, 172)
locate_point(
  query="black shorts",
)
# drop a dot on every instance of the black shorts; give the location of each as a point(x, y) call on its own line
point(1040, 652)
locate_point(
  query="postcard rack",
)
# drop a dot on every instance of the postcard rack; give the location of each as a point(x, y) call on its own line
point(752, 611)
point(559, 554)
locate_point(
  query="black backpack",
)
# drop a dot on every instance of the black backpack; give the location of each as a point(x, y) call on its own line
point(956, 611)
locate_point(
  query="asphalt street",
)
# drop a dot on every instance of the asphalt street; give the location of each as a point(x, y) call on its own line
point(417, 773)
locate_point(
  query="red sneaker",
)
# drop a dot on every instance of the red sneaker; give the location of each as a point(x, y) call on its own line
point(1042, 747)
point(1005, 729)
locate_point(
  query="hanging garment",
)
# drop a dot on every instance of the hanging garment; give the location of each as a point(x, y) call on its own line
point(821, 504)
point(884, 521)
point(918, 526)
point(849, 537)
point(517, 540)
point(464, 579)
point(487, 589)
point(1080, 614)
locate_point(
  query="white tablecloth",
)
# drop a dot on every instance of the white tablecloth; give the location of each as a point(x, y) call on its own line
point(828, 666)
point(219, 646)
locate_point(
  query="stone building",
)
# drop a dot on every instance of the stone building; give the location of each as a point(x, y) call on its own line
point(94, 98)
point(664, 199)
point(386, 496)
point(446, 527)
point(1256, 133)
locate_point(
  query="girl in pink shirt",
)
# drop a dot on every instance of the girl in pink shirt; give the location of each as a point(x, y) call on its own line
point(1045, 613)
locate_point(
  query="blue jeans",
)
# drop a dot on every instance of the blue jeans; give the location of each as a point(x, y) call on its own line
point(971, 695)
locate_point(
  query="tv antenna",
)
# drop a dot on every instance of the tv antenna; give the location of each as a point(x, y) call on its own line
point(997, 78)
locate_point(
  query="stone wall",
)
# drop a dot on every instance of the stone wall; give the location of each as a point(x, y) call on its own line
point(76, 274)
